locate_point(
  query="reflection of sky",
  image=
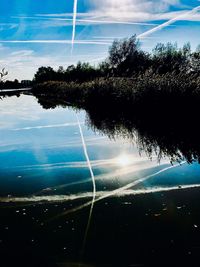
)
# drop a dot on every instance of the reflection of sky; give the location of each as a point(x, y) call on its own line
point(41, 153)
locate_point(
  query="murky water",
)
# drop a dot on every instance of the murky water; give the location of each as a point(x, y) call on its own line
point(50, 212)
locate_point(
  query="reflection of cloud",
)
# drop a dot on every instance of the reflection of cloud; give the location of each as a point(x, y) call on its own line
point(61, 145)
point(134, 162)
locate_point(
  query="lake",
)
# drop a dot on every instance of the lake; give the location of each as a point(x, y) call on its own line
point(71, 194)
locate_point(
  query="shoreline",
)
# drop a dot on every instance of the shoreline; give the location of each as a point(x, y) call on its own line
point(15, 90)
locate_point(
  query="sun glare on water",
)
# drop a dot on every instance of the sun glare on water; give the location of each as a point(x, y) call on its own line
point(124, 160)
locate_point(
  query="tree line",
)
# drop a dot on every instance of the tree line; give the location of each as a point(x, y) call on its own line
point(127, 59)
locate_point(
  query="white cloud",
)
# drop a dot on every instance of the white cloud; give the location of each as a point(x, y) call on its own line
point(123, 7)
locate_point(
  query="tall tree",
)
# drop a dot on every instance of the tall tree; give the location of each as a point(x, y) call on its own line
point(126, 58)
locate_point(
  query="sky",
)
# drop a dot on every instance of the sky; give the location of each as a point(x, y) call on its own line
point(36, 33)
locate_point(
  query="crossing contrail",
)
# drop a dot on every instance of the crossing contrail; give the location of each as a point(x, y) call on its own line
point(119, 190)
point(93, 183)
point(169, 22)
point(74, 23)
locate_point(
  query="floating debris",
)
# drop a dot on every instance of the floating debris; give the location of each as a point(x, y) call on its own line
point(127, 203)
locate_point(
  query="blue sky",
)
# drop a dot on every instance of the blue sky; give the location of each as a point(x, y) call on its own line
point(35, 33)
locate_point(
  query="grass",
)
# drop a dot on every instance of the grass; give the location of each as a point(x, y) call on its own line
point(148, 89)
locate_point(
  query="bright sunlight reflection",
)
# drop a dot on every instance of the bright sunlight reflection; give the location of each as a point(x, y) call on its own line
point(124, 160)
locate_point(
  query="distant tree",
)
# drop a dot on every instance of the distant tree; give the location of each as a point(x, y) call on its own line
point(45, 74)
point(169, 58)
point(81, 72)
point(60, 74)
point(195, 61)
point(104, 69)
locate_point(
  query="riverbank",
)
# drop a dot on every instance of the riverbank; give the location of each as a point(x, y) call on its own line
point(145, 90)
point(161, 110)
point(15, 90)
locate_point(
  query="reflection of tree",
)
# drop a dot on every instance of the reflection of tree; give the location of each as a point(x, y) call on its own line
point(164, 127)
point(171, 135)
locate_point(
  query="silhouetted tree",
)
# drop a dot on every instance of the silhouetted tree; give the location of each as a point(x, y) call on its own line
point(126, 58)
point(45, 74)
point(195, 61)
point(169, 58)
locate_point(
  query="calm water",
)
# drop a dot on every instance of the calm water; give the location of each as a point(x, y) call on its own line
point(51, 215)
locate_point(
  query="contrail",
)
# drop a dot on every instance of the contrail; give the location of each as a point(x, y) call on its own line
point(169, 22)
point(135, 167)
point(93, 183)
point(95, 21)
point(74, 23)
point(84, 42)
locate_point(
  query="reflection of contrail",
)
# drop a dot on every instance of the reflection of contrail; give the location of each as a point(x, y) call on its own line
point(136, 167)
point(64, 198)
point(119, 190)
point(93, 183)
point(74, 23)
point(70, 124)
point(169, 22)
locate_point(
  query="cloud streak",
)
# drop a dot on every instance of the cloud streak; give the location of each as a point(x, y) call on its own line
point(169, 22)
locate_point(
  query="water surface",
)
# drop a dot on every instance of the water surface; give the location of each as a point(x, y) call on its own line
point(139, 209)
